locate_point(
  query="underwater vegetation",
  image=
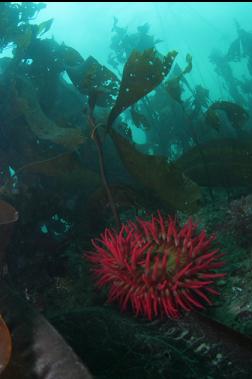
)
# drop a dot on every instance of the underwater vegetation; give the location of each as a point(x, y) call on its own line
point(33, 334)
point(170, 185)
point(235, 114)
point(73, 178)
point(173, 86)
point(226, 163)
point(141, 74)
point(6, 345)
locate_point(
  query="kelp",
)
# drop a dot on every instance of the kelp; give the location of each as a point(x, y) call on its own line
point(95, 80)
point(139, 119)
point(40, 125)
point(124, 196)
point(174, 89)
point(200, 97)
point(14, 21)
point(188, 68)
point(43, 27)
point(227, 162)
point(65, 169)
point(23, 38)
point(39, 351)
point(127, 201)
point(174, 189)
point(56, 166)
point(142, 72)
point(234, 53)
point(173, 85)
point(8, 213)
point(26, 33)
point(212, 119)
point(70, 56)
point(5, 345)
point(192, 347)
point(199, 101)
point(236, 115)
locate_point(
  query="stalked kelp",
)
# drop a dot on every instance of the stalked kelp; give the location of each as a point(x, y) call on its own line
point(8, 216)
point(95, 80)
point(129, 202)
point(237, 116)
point(169, 184)
point(240, 48)
point(200, 100)
point(173, 85)
point(123, 42)
point(15, 22)
point(8, 213)
point(139, 119)
point(141, 74)
point(55, 101)
point(70, 56)
point(66, 169)
point(228, 163)
point(39, 123)
point(212, 119)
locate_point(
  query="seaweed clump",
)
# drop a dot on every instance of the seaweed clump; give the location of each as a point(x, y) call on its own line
point(236, 114)
point(142, 73)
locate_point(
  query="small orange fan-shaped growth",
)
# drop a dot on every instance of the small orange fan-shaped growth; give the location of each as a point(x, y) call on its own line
point(5, 345)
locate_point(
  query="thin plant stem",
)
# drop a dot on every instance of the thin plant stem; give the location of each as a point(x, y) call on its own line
point(95, 137)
